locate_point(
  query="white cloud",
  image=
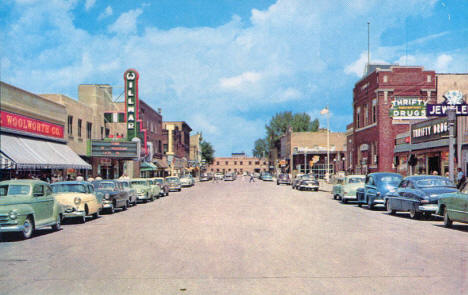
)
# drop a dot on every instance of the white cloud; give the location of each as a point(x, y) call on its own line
point(89, 4)
point(357, 67)
point(240, 81)
point(106, 13)
point(442, 63)
point(126, 23)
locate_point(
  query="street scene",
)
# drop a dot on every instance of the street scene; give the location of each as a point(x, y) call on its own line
point(245, 238)
point(233, 147)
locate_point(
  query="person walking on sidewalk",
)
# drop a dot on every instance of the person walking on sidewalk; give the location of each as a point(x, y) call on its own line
point(252, 178)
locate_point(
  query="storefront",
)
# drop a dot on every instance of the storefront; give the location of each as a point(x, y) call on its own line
point(428, 145)
point(32, 138)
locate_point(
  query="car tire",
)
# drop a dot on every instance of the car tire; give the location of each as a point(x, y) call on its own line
point(125, 207)
point(344, 201)
point(334, 197)
point(58, 223)
point(414, 214)
point(447, 221)
point(370, 206)
point(28, 228)
point(316, 189)
point(96, 215)
point(112, 209)
point(389, 208)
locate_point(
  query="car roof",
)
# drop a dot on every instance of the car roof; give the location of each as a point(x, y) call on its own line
point(73, 182)
point(22, 181)
point(419, 177)
point(384, 174)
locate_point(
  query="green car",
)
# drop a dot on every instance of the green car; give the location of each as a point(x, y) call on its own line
point(454, 206)
point(27, 205)
point(345, 188)
point(155, 188)
point(143, 189)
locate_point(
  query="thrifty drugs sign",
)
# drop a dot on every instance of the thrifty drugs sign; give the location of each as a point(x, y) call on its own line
point(408, 108)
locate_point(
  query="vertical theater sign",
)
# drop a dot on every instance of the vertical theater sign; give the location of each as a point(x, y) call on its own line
point(134, 124)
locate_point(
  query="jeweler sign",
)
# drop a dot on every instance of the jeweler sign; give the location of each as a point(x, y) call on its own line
point(454, 99)
point(404, 108)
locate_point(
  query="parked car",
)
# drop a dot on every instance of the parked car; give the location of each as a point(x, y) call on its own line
point(187, 181)
point(418, 195)
point(283, 178)
point(78, 199)
point(204, 177)
point(229, 177)
point(114, 195)
point(164, 188)
point(155, 188)
point(266, 176)
point(132, 193)
point(28, 205)
point(376, 186)
point(345, 187)
point(256, 175)
point(454, 206)
point(308, 182)
point(174, 183)
point(143, 188)
point(219, 176)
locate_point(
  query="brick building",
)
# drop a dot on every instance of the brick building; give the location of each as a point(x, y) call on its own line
point(374, 131)
point(239, 164)
point(176, 145)
point(349, 148)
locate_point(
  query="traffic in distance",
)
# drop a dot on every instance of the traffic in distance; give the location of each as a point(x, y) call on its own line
point(27, 205)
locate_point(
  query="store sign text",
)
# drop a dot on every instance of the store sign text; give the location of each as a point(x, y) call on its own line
point(454, 99)
point(30, 125)
point(429, 130)
point(408, 108)
point(131, 85)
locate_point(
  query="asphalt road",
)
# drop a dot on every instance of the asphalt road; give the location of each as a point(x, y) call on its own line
point(241, 238)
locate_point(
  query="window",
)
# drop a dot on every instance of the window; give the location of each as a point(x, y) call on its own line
point(241, 163)
point(79, 128)
point(70, 125)
point(102, 132)
point(217, 163)
point(165, 147)
point(107, 117)
point(358, 114)
point(38, 190)
point(226, 163)
point(385, 79)
point(257, 162)
point(89, 129)
point(250, 162)
point(121, 117)
point(264, 163)
point(429, 78)
point(366, 115)
point(107, 132)
point(374, 110)
point(235, 162)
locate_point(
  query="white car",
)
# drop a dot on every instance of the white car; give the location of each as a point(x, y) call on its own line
point(219, 176)
point(187, 180)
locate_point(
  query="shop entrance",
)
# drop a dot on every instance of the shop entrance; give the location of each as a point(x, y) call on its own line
point(433, 164)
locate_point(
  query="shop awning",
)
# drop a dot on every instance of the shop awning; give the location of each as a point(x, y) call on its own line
point(162, 164)
point(29, 153)
point(147, 166)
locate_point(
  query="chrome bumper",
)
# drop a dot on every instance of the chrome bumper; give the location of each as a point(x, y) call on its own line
point(429, 208)
point(74, 214)
point(11, 228)
point(349, 197)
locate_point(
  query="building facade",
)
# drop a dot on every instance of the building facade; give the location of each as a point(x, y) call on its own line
point(195, 159)
point(177, 146)
point(374, 129)
point(238, 164)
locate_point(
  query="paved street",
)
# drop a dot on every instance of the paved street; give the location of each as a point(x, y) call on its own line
point(241, 238)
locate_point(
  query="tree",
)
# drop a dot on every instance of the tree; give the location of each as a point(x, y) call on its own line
point(261, 148)
point(207, 152)
point(314, 125)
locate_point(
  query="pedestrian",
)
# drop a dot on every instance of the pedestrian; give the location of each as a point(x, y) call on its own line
point(252, 178)
point(460, 178)
point(435, 172)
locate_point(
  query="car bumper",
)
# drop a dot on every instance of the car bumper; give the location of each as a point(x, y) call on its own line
point(143, 197)
point(349, 197)
point(173, 189)
point(284, 182)
point(107, 205)
point(309, 186)
point(73, 214)
point(433, 208)
point(8, 228)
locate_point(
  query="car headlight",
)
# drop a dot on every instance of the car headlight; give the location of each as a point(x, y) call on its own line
point(107, 196)
point(13, 214)
point(77, 200)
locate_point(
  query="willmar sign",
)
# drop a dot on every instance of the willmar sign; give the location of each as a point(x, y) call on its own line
point(30, 125)
point(408, 108)
point(134, 129)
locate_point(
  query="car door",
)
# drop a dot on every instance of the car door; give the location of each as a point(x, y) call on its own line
point(408, 196)
point(371, 189)
point(50, 201)
point(40, 204)
point(397, 196)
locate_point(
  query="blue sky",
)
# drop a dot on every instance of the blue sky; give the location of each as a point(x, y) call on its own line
point(227, 66)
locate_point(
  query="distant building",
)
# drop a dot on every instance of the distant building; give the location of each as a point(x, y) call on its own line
point(195, 153)
point(177, 145)
point(238, 164)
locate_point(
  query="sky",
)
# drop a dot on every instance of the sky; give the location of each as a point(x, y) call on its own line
point(227, 66)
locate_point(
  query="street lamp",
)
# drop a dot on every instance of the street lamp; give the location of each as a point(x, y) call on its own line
point(326, 112)
point(451, 118)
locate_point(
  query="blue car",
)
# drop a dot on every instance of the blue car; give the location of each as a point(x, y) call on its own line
point(418, 195)
point(376, 186)
point(266, 177)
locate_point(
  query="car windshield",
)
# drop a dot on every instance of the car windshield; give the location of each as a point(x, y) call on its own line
point(308, 177)
point(14, 189)
point(266, 174)
point(124, 184)
point(139, 182)
point(104, 185)
point(284, 176)
point(356, 180)
point(172, 179)
point(390, 179)
point(431, 182)
point(69, 188)
point(158, 181)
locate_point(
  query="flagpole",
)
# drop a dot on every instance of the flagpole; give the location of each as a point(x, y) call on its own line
point(328, 144)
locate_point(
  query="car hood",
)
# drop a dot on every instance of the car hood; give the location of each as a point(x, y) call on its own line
point(352, 186)
point(67, 198)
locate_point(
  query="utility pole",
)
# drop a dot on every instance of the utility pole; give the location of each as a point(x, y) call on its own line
point(451, 117)
point(368, 43)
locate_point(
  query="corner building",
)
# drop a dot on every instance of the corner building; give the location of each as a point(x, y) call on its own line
point(374, 131)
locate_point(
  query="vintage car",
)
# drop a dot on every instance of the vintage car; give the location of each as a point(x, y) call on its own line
point(143, 188)
point(266, 176)
point(376, 186)
point(155, 188)
point(28, 205)
point(78, 199)
point(218, 176)
point(308, 182)
point(229, 176)
point(187, 180)
point(114, 195)
point(283, 178)
point(345, 187)
point(454, 206)
point(174, 183)
point(418, 195)
point(164, 188)
point(132, 193)
point(204, 177)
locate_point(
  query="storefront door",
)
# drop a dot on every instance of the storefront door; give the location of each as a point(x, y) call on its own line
point(434, 164)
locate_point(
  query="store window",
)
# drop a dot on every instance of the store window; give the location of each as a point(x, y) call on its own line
point(70, 125)
point(79, 128)
point(165, 147)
